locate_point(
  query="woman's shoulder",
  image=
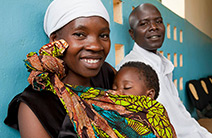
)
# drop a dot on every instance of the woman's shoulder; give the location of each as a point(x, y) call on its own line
point(45, 105)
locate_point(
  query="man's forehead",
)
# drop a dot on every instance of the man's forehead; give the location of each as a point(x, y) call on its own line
point(148, 12)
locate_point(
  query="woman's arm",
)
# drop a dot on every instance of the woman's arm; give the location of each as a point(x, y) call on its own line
point(29, 125)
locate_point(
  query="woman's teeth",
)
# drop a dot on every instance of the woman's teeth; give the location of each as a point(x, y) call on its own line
point(91, 60)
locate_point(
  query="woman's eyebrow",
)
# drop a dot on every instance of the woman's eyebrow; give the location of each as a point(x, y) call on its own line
point(105, 29)
point(82, 27)
point(79, 27)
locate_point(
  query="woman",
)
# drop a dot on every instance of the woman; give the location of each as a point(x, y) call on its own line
point(84, 25)
point(69, 67)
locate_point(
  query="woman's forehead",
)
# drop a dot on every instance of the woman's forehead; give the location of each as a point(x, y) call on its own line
point(86, 23)
point(61, 12)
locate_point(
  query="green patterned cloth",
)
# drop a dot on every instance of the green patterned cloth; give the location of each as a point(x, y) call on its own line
point(96, 112)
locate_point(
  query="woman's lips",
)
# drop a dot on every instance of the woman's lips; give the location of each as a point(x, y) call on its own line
point(91, 63)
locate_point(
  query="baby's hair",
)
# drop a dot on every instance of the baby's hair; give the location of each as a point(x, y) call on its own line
point(151, 79)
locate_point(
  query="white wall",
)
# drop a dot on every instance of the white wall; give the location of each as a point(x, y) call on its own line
point(197, 12)
point(177, 6)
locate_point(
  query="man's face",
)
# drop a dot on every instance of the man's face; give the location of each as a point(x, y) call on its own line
point(148, 29)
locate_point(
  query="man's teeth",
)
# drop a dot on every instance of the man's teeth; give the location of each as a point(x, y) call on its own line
point(91, 60)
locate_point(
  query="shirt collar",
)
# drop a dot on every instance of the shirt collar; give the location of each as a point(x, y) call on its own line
point(157, 61)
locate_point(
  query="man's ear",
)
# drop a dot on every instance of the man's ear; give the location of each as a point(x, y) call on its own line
point(52, 37)
point(131, 33)
point(151, 93)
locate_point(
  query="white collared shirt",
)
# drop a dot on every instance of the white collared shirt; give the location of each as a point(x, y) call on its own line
point(185, 126)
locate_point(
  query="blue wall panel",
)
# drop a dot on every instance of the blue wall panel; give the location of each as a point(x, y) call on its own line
point(22, 32)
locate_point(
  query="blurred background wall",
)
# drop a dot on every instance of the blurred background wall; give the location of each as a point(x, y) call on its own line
point(187, 45)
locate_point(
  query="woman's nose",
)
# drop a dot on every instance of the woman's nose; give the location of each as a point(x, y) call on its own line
point(94, 44)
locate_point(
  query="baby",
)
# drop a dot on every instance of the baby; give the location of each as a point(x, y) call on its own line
point(137, 78)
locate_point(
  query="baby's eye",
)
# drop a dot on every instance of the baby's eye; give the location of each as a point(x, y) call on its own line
point(127, 88)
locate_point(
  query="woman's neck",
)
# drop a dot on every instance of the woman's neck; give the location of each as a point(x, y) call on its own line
point(77, 80)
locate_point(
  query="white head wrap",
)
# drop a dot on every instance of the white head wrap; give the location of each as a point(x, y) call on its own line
point(61, 12)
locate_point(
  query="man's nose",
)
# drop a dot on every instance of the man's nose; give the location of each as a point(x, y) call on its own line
point(153, 26)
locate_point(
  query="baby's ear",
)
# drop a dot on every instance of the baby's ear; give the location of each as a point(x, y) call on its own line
point(151, 93)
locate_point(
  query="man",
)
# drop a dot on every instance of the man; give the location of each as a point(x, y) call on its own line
point(148, 31)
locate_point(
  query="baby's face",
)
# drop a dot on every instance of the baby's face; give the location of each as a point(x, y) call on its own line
point(130, 82)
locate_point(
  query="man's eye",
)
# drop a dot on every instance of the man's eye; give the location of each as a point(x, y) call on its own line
point(159, 21)
point(144, 23)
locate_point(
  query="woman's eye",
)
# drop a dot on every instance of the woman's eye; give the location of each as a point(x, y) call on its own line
point(104, 36)
point(80, 35)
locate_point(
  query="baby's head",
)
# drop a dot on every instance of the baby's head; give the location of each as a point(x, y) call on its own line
point(137, 78)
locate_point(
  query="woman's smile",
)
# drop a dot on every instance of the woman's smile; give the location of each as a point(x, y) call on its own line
point(89, 45)
point(91, 63)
